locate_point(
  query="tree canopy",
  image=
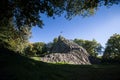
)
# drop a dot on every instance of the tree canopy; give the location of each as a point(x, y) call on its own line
point(93, 47)
point(37, 48)
point(112, 49)
point(28, 12)
point(12, 39)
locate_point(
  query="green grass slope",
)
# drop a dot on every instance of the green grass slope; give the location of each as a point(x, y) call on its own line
point(16, 67)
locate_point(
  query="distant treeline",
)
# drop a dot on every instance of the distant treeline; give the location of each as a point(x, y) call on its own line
point(17, 42)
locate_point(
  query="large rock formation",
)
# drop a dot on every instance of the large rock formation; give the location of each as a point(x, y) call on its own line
point(67, 51)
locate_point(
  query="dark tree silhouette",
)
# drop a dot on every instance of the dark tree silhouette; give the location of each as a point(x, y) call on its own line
point(28, 12)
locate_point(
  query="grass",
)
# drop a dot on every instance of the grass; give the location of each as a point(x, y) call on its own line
point(35, 58)
point(16, 67)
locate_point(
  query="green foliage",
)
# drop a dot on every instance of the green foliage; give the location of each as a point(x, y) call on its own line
point(92, 47)
point(37, 48)
point(112, 50)
point(28, 12)
point(12, 39)
point(55, 40)
point(29, 50)
point(40, 47)
point(49, 46)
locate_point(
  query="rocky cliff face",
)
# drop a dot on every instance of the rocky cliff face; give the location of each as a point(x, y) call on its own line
point(67, 51)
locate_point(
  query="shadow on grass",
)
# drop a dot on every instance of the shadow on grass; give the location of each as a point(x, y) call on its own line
point(16, 67)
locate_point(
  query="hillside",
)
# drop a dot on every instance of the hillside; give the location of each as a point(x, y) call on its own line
point(16, 67)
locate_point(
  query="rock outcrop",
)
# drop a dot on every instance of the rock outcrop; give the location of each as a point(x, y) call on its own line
point(67, 51)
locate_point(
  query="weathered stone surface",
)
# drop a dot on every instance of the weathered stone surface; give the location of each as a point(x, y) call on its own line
point(68, 52)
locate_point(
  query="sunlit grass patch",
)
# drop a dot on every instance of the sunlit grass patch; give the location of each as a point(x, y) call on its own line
point(35, 58)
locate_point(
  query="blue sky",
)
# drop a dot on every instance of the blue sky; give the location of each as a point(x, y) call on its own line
point(100, 26)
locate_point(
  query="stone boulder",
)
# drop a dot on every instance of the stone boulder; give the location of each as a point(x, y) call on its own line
point(67, 51)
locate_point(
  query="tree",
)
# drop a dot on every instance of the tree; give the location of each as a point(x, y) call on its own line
point(37, 48)
point(13, 39)
point(29, 50)
point(92, 47)
point(55, 40)
point(49, 46)
point(28, 12)
point(112, 50)
point(40, 48)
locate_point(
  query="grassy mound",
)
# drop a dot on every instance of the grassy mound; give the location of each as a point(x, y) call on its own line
point(16, 67)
